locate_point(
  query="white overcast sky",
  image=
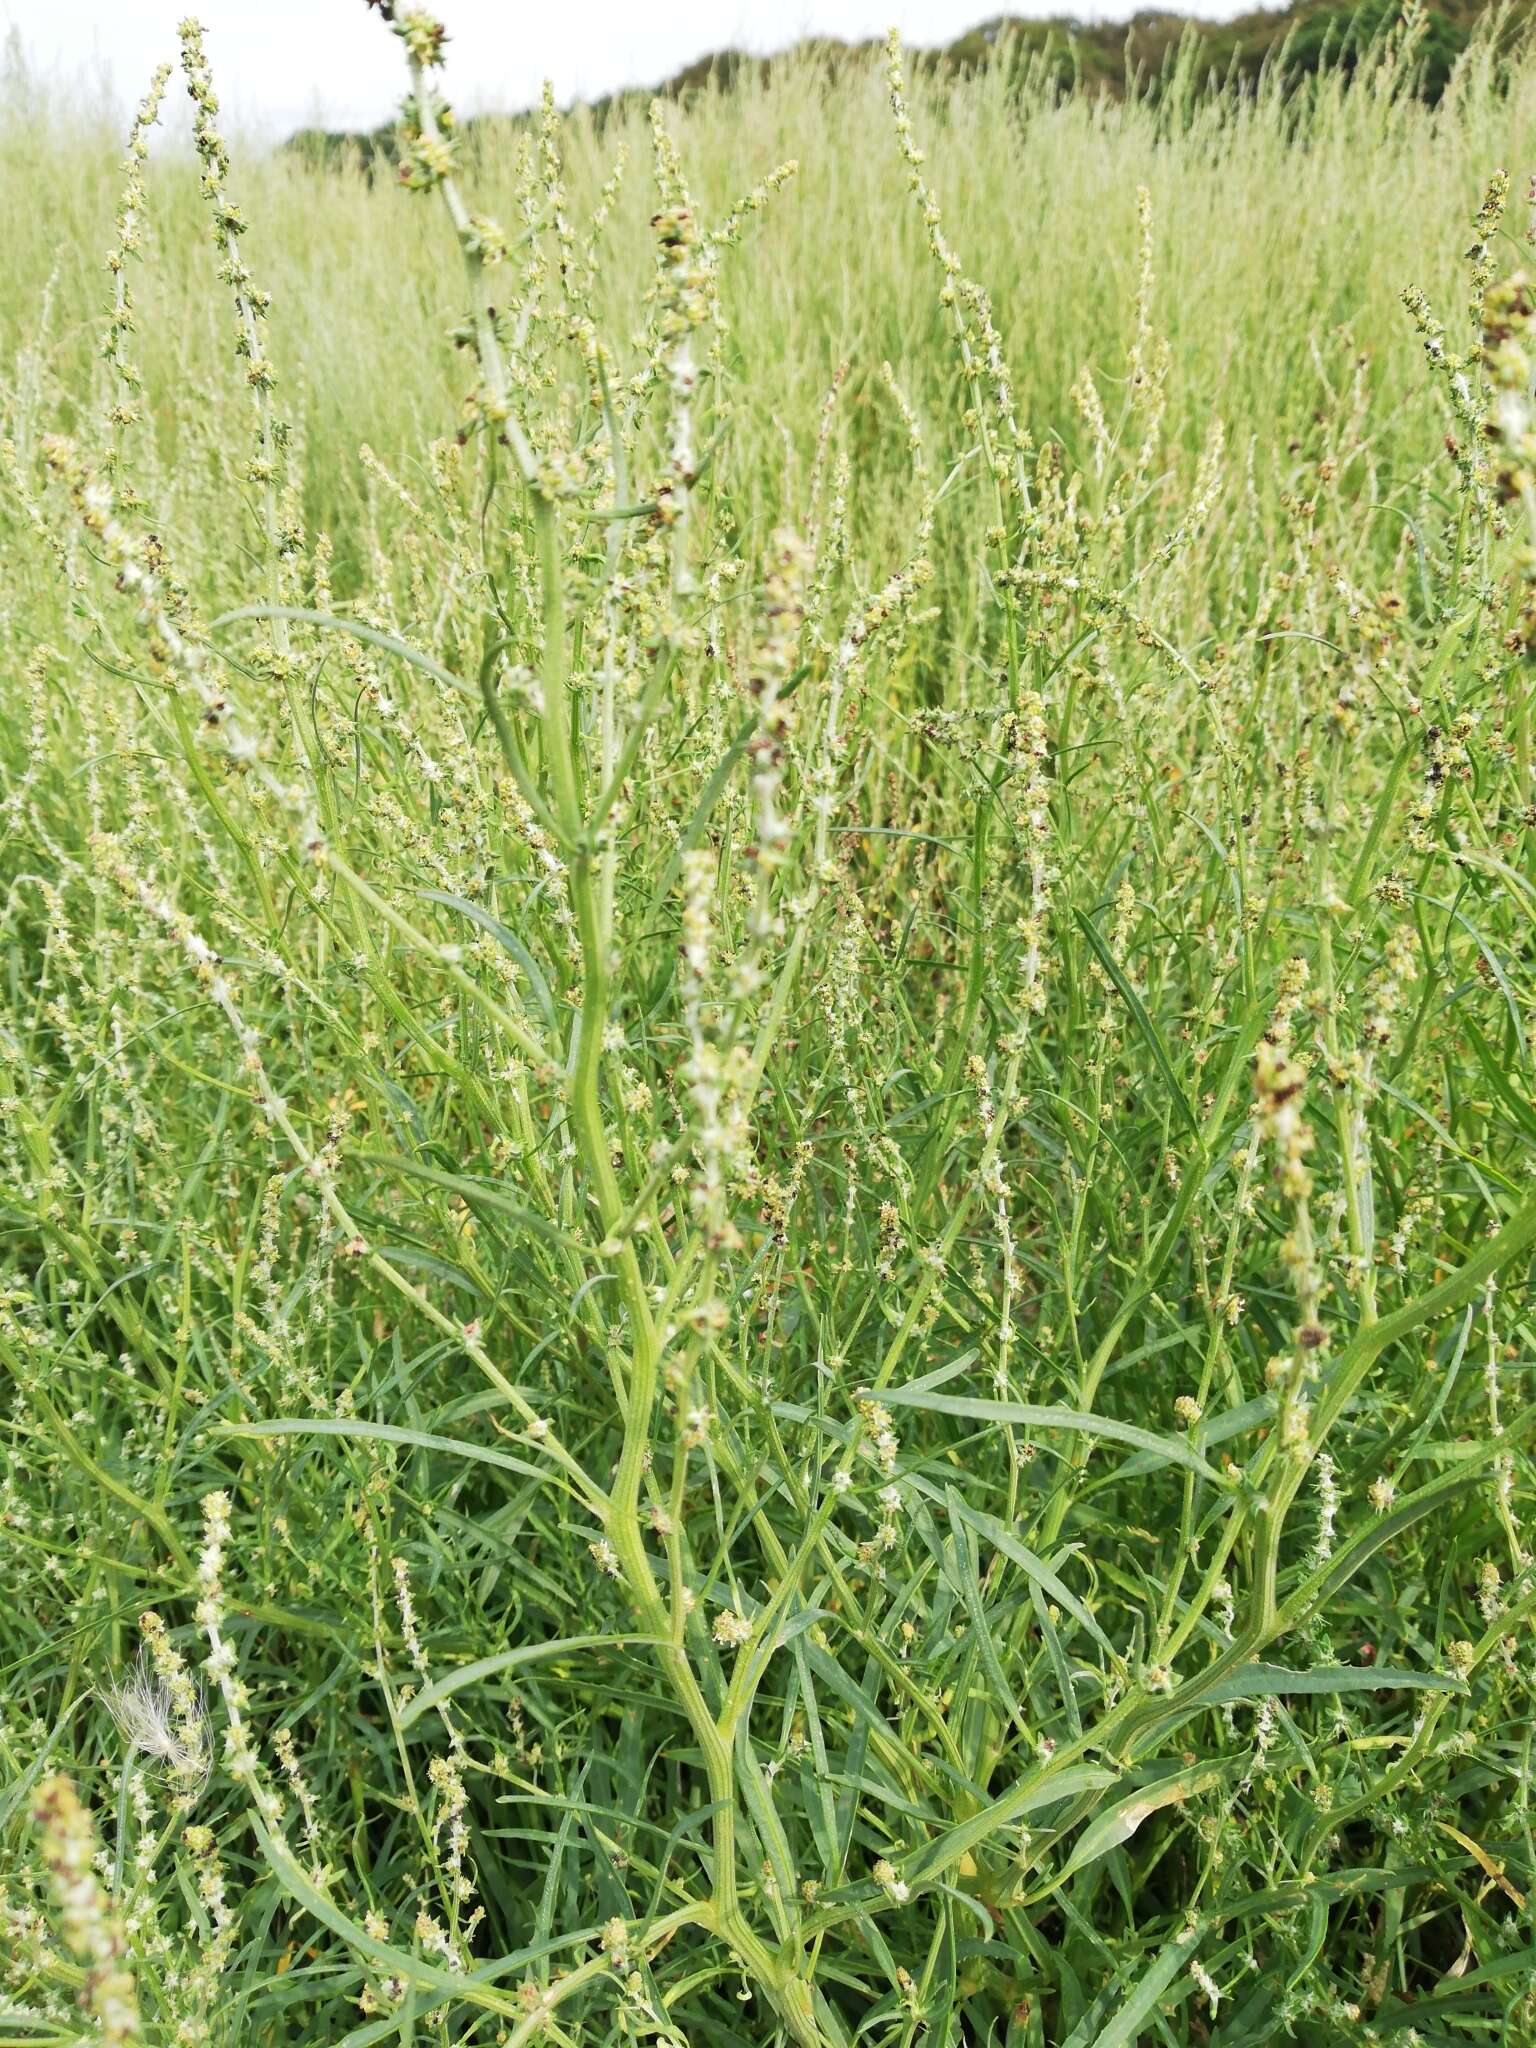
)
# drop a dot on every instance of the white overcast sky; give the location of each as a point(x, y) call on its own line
point(279, 63)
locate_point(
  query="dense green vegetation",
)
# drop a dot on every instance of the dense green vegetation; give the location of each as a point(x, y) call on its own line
point(765, 1067)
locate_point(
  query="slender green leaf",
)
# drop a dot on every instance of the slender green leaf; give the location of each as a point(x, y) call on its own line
point(1082, 1422)
point(1128, 2023)
point(386, 1433)
point(1144, 1023)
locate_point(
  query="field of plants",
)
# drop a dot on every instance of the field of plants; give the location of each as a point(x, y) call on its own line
point(766, 1083)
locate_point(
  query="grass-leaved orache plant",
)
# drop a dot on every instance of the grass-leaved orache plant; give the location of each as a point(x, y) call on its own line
point(767, 1109)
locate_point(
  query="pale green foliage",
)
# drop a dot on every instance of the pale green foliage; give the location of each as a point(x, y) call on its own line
point(765, 1072)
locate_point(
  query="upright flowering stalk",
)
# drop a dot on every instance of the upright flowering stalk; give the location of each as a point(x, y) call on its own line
point(685, 305)
point(990, 412)
point(1508, 348)
point(1465, 373)
point(1019, 783)
point(705, 1069)
point(891, 606)
point(1279, 1082)
point(777, 651)
point(1149, 352)
point(428, 164)
point(267, 465)
point(222, 1918)
point(173, 652)
point(1279, 1088)
point(123, 411)
point(90, 1928)
point(220, 1661)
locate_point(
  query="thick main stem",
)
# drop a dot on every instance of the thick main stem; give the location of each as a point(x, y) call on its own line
point(622, 1521)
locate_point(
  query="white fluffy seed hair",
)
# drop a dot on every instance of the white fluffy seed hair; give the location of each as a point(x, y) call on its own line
point(142, 1707)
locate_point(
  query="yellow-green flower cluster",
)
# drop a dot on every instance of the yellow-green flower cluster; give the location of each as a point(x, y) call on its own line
point(124, 410)
point(89, 1926)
